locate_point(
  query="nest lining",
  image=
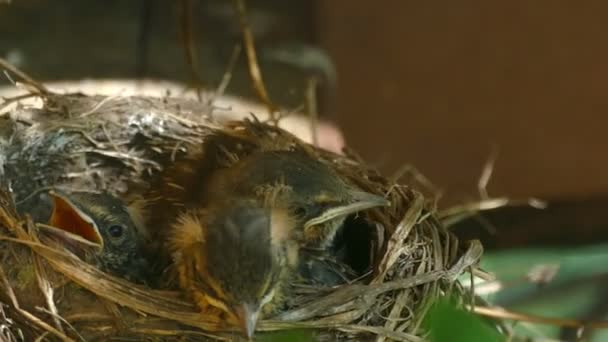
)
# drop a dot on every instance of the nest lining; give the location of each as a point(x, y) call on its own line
point(105, 143)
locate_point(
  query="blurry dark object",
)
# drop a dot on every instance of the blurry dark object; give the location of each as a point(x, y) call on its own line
point(322, 269)
point(143, 38)
point(597, 311)
point(188, 40)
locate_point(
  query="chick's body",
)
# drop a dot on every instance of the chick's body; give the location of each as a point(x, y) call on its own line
point(234, 258)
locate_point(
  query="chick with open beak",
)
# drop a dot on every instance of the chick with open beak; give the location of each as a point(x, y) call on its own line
point(235, 259)
point(107, 231)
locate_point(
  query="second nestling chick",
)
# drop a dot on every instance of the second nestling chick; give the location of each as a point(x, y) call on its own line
point(315, 193)
point(235, 258)
point(115, 245)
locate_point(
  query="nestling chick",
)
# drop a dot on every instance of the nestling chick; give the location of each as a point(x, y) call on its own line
point(186, 180)
point(235, 210)
point(315, 194)
point(105, 222)
point(235, 259)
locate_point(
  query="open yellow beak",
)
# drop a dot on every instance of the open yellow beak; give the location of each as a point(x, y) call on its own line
point(69, 218)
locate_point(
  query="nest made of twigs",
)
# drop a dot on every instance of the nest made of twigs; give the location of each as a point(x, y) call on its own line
point(105, 143)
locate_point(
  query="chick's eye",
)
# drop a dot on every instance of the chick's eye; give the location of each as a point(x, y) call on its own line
point(311, 210)
point(300, 211)
point(116, 231)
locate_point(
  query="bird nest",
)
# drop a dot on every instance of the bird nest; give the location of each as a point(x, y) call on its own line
point(75, 141)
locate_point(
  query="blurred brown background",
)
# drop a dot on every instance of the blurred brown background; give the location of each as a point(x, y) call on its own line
point(438, 83)
point(434, 84)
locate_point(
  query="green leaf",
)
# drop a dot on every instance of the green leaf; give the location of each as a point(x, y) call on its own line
point(447, 322)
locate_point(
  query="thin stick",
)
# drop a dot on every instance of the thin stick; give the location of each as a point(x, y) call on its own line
point(57, 316)
point(486, 174)
point(8, 66)
point(187, 35)
point(236, 52)
point(48, 292)
point(143, 39)
point(254, 68)
point(311, 100)
point(562, 322)
point(99, 104)
point(7, 101)
point(458, 213)
point(226, 78)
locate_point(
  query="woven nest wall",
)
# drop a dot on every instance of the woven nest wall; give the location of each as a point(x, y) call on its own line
point(81, 142)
